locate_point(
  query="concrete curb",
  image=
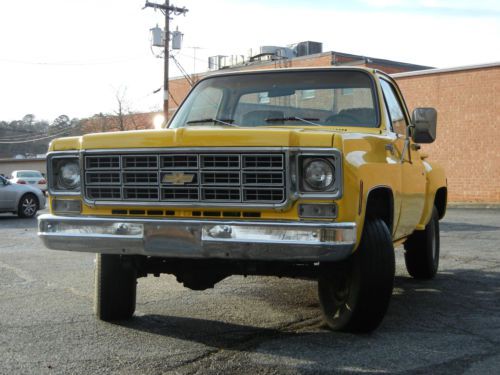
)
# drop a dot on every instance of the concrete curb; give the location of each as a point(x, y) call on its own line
point(478, 205)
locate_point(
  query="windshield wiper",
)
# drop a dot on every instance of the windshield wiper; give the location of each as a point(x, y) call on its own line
point(228, 122)
point(307, 120)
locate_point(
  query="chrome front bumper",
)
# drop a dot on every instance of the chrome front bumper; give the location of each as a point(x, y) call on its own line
point(201, 239)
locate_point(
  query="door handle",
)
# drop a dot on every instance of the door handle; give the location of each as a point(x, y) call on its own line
point(390, 147)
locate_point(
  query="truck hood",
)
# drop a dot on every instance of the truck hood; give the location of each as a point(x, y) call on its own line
point(200, 137)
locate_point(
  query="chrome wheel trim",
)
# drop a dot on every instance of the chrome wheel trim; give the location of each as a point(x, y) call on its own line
point(29, 206)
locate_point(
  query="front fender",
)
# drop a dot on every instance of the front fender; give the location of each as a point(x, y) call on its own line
point(435, 180)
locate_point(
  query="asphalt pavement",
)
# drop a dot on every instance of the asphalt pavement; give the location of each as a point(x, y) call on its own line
point(253, 325)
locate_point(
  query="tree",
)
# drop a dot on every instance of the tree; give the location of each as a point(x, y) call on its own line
point(122, 108)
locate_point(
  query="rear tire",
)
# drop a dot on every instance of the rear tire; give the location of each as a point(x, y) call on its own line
point(354, 295)
point(422, 250)
point(115, 288)
point(28, 206)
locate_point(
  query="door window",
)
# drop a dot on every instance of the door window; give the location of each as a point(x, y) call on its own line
point(398, 120)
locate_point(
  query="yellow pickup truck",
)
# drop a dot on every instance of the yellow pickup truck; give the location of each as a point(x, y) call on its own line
point(309, 173)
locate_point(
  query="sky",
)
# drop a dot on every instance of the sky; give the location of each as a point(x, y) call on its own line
point(74, 57)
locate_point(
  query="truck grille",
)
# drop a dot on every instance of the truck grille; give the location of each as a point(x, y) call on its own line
point(251, 178)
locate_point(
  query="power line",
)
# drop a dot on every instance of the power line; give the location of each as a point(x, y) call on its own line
point(38, 139)
point(70, 63)
point(183, 71)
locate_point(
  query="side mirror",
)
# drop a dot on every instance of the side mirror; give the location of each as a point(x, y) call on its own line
point(424, 121)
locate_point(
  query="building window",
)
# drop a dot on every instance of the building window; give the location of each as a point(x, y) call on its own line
point(308, 94)
point(263, 98)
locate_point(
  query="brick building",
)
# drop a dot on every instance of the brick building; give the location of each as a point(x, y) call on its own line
point(468, 103)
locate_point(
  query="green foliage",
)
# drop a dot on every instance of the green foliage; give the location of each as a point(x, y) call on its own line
point(30, 136)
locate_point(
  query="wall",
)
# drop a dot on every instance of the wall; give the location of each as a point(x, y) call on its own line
point(9, 165)
point(468, 133)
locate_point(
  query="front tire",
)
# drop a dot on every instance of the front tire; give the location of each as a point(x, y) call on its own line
point(28, 206)
point(422, 250)
point(115, 288)
point(354, 295)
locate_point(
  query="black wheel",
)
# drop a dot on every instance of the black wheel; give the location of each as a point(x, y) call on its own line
point(115, 288)
point(422, 250)
point(354, 295)
point(28, 205)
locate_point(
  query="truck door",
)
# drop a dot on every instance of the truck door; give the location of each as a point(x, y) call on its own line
point(412, 169)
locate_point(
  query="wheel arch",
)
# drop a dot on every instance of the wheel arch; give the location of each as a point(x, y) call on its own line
point(440, 201)
point(380, 204)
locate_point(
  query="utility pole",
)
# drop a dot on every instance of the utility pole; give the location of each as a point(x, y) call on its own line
point(167, 10)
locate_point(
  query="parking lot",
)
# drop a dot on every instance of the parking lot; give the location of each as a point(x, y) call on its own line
point(249, 325)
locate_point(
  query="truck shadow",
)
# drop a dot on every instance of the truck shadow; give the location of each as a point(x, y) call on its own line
point(456, 303)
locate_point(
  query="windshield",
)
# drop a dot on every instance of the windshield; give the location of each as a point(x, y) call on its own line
point(28, 174)
point(307, 98)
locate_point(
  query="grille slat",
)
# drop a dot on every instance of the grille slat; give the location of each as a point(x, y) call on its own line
point(140, 162)
point(179, 161)
point(220, 178)
point(220, 161)
point(179, 194)
point(140, 178)
point(97, 178)
point(246, 177)
point(213, 194)
point(102, 162)
point(103, 193)
point(263, 162)
point(140, 193)
point(263, 178)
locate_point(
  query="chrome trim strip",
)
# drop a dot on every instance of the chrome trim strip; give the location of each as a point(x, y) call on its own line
point(186, 238)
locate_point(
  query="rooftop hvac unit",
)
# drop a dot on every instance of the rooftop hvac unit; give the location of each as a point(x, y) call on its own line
point(308, 48)
point(271, 52)
point(216, 62)
point(285, 53)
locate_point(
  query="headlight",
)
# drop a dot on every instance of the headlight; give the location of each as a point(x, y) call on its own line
point(65, 175)
point(319, 174)
point(68, 175)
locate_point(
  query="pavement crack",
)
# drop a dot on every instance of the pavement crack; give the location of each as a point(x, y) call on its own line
point(18, 271)
point(254, 340)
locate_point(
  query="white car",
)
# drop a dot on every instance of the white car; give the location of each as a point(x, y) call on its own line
point(34, 178)
point(23, 200)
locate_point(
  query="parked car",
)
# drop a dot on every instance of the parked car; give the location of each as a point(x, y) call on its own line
point(34, 178)
point(21, 199)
